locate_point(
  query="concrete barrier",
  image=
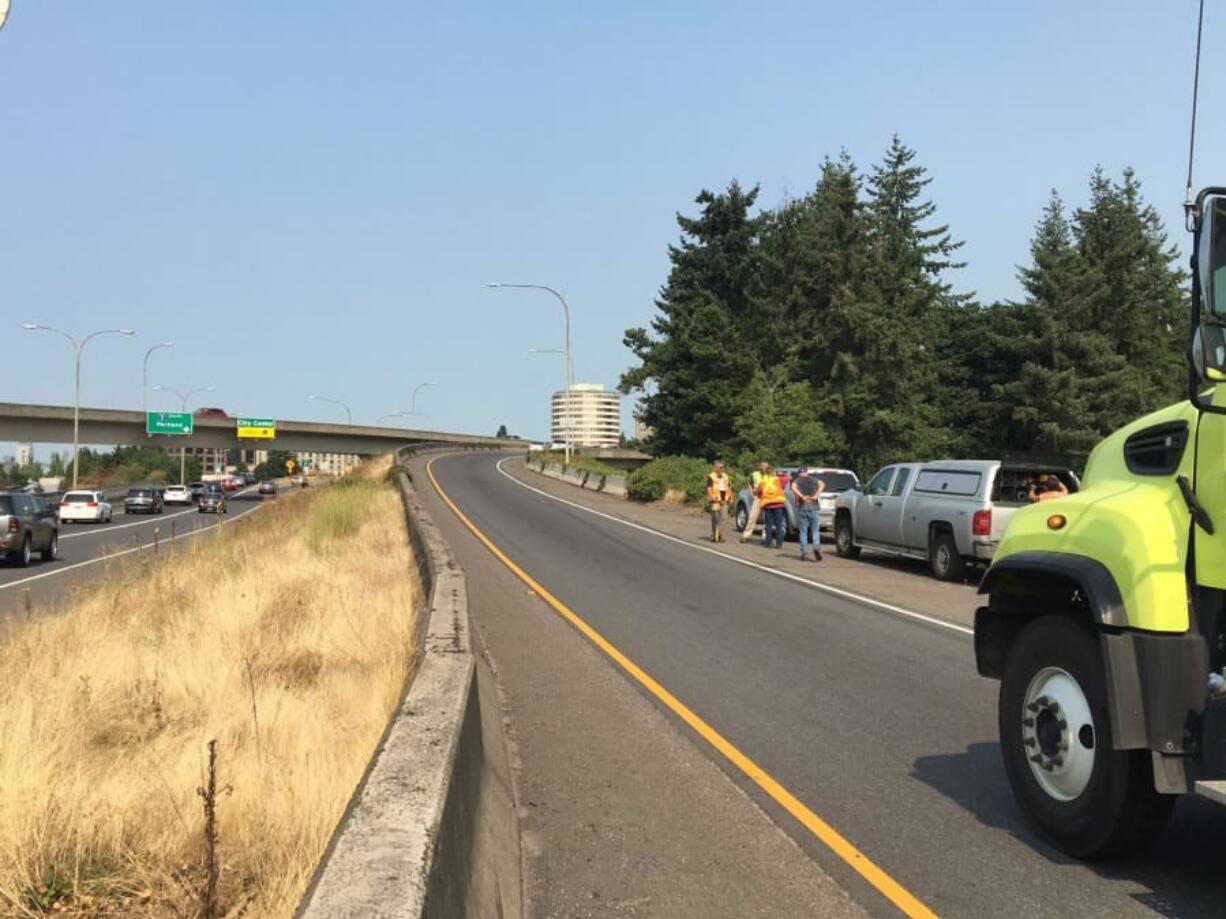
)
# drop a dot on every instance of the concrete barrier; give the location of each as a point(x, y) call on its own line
point(609, 484)
point(432, 829)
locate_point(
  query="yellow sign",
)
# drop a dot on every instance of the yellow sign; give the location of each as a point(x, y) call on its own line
point(289, 465)
point(264, 428)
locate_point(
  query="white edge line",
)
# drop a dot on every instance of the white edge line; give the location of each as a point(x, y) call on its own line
point(816, 585)
point(123, 552)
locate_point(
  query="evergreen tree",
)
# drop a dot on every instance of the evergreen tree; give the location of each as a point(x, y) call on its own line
point(706, 345)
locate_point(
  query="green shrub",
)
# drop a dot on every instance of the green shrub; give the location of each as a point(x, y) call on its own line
point(688, 474)
point(577, 461)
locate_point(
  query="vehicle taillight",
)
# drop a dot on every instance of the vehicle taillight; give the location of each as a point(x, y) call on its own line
point(14, 526)
point(91, 503)
point(981, 524)
point(65, 504)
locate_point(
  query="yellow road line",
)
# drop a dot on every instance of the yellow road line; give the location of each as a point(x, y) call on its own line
point(893, 891)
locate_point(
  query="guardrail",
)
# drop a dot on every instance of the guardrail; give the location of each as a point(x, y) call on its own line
point(432, 829)
point(593, 481)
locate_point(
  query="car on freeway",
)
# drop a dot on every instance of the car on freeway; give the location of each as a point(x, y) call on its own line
point(836, 481)
point(302, 481)
point(268, 488)
point(143, 500)
point(27, 525)
point(84, 506)
point(197, 489)
point(248, 478)
point(210, 413)
point(229, 483)
point(177, 494)
point(213, 501)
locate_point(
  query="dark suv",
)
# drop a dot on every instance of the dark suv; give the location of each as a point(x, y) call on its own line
point(27, 525)
point(143, 501)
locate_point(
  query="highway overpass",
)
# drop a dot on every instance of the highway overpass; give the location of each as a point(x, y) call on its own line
point(53, 424)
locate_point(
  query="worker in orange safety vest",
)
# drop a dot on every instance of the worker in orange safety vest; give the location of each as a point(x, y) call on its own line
point(719, 497)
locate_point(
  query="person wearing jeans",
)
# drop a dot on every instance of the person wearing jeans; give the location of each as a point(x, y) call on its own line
point(807, 490)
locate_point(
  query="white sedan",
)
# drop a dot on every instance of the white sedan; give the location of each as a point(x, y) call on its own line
point(88, 506)
point(177, 494)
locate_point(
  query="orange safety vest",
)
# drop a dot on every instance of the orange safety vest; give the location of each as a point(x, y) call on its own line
point(771, 491)
point(719, 488)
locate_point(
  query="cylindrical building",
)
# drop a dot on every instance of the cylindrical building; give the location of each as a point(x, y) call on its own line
point(594, 413)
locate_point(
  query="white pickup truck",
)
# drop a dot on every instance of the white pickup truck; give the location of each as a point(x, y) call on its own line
point(949, 513)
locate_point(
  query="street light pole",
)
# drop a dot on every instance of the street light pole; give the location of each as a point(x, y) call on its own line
point(413, 398)
point(183, 397)
point(570, 367)
point(565, 385)
point(144, 385)
point(401, 414)
point(77, 347)
point(335, 402)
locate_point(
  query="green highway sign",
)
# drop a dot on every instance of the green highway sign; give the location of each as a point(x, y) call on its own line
point(168, 423)
point(264, 428)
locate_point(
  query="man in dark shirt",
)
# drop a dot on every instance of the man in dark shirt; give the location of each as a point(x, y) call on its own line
point(807, 491)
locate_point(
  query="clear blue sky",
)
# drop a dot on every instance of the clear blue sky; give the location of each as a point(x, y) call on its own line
point(310, 197)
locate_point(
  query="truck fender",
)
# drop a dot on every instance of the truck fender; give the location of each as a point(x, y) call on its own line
point(1156, 683)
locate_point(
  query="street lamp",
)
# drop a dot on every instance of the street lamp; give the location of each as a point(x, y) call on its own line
point(183, 397)
point(413, 398)
point(566, 417)
point(76, 402)
point(334, 402)
point(144, 379)
point(570, 367)
point(396, 415)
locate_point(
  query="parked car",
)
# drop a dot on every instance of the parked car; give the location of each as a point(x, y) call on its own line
point(949, 513)
point(268, 488)
point(27, 525)
point(177, 494)
point(143, 501)
point(213, 501)
point(837, 481)
point(88, 506)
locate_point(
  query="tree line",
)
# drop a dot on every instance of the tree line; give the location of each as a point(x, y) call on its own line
point(827, 329)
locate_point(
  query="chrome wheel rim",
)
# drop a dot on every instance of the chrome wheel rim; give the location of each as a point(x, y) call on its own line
point(1058, 734)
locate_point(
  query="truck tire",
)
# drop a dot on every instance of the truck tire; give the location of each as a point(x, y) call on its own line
point(947, 564)
point(844, 540)
point(1085, 798)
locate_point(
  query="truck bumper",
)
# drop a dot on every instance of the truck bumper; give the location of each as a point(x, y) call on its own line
point(984, 550)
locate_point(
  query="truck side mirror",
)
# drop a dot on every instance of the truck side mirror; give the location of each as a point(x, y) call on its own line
point(1209, 351)
point(1211, 254)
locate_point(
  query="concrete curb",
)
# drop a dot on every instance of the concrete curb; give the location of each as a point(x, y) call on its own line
point(432, 829)
point(609, 484)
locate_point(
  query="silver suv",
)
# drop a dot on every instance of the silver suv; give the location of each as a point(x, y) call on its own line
point(27, 525)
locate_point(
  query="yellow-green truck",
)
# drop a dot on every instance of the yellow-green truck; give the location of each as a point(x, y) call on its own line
point(1105, 621)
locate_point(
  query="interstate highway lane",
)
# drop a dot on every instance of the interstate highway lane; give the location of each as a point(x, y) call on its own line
point(84, 548)
point(878, 723)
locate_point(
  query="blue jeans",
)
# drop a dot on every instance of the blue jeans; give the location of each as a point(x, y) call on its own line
point(774, 525)
point(809, 524)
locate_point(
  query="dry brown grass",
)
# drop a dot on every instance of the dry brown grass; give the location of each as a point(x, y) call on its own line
point(290, 651)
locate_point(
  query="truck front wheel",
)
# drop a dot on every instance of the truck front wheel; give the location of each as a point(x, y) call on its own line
point(844, 542)
point(1085, 798)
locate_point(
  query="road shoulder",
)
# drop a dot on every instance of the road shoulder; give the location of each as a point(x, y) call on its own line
point(877, 576)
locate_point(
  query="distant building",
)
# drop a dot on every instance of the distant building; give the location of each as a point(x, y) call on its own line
point(25, 454)
point(642, 430)
point(327, 463)
point(595, 416)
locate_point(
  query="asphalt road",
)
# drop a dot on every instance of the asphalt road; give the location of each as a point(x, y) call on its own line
point(86, 547)
point(876, 722)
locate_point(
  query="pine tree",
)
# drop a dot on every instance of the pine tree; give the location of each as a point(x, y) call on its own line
point(707, 342)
